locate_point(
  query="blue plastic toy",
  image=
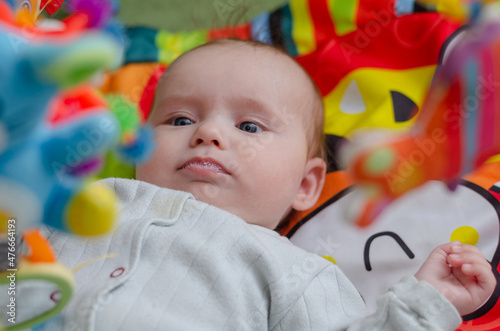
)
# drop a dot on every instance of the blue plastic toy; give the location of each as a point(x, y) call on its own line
point(43, 167)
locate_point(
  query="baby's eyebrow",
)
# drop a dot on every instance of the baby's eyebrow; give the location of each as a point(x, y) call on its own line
point(162, 107)
point(254, 105)
point(177, 100)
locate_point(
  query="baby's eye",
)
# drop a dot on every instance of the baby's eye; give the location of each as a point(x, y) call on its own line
point(250, 127)
point(181, 121)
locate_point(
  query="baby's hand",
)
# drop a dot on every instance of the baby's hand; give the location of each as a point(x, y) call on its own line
point(461, 273)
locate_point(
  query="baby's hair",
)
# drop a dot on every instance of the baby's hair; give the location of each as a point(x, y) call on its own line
point(314, 124)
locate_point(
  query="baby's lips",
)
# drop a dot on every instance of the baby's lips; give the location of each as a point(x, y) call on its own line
point(208, 164)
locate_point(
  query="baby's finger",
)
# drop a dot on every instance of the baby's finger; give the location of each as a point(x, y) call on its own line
point(481, 272)
point(457, 247)
point(466, 254)
point(455, 260)
point(449, 248)
point(471, 257)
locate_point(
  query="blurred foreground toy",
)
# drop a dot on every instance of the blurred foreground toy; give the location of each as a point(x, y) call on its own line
point(457, 130)
point(136, 140)
point(43, 168)
point(33, 8)
point(44, 165)
point(39, 264)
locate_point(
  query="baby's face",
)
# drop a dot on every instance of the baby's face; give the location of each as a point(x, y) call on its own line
point(229, 129)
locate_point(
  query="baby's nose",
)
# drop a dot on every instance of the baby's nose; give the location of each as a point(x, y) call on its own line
point(209, 133)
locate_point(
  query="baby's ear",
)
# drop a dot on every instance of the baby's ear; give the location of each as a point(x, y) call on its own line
point(311, 185)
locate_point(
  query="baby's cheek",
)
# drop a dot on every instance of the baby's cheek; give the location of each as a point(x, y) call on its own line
point(150, 170)
point(141, 171)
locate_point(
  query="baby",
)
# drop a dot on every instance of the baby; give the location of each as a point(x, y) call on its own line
point(238, 128)
point(239, 125)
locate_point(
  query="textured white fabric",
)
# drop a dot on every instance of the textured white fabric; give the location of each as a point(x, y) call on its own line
point(184, 265)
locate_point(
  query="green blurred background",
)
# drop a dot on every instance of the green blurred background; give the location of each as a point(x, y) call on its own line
point(185, 15)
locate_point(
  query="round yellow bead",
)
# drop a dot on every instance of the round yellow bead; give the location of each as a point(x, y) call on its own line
point(93, 211)
point(466, 235)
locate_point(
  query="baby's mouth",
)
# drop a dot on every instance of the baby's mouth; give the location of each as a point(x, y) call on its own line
point(204, 166)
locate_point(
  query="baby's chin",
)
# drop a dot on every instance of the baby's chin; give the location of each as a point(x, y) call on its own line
point(221, 199)
point(213, 195)
point(202, 191)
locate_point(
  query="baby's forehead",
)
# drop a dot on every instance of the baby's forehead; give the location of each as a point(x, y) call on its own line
point(245, 53)
point(235, 48)
point(266, 61)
